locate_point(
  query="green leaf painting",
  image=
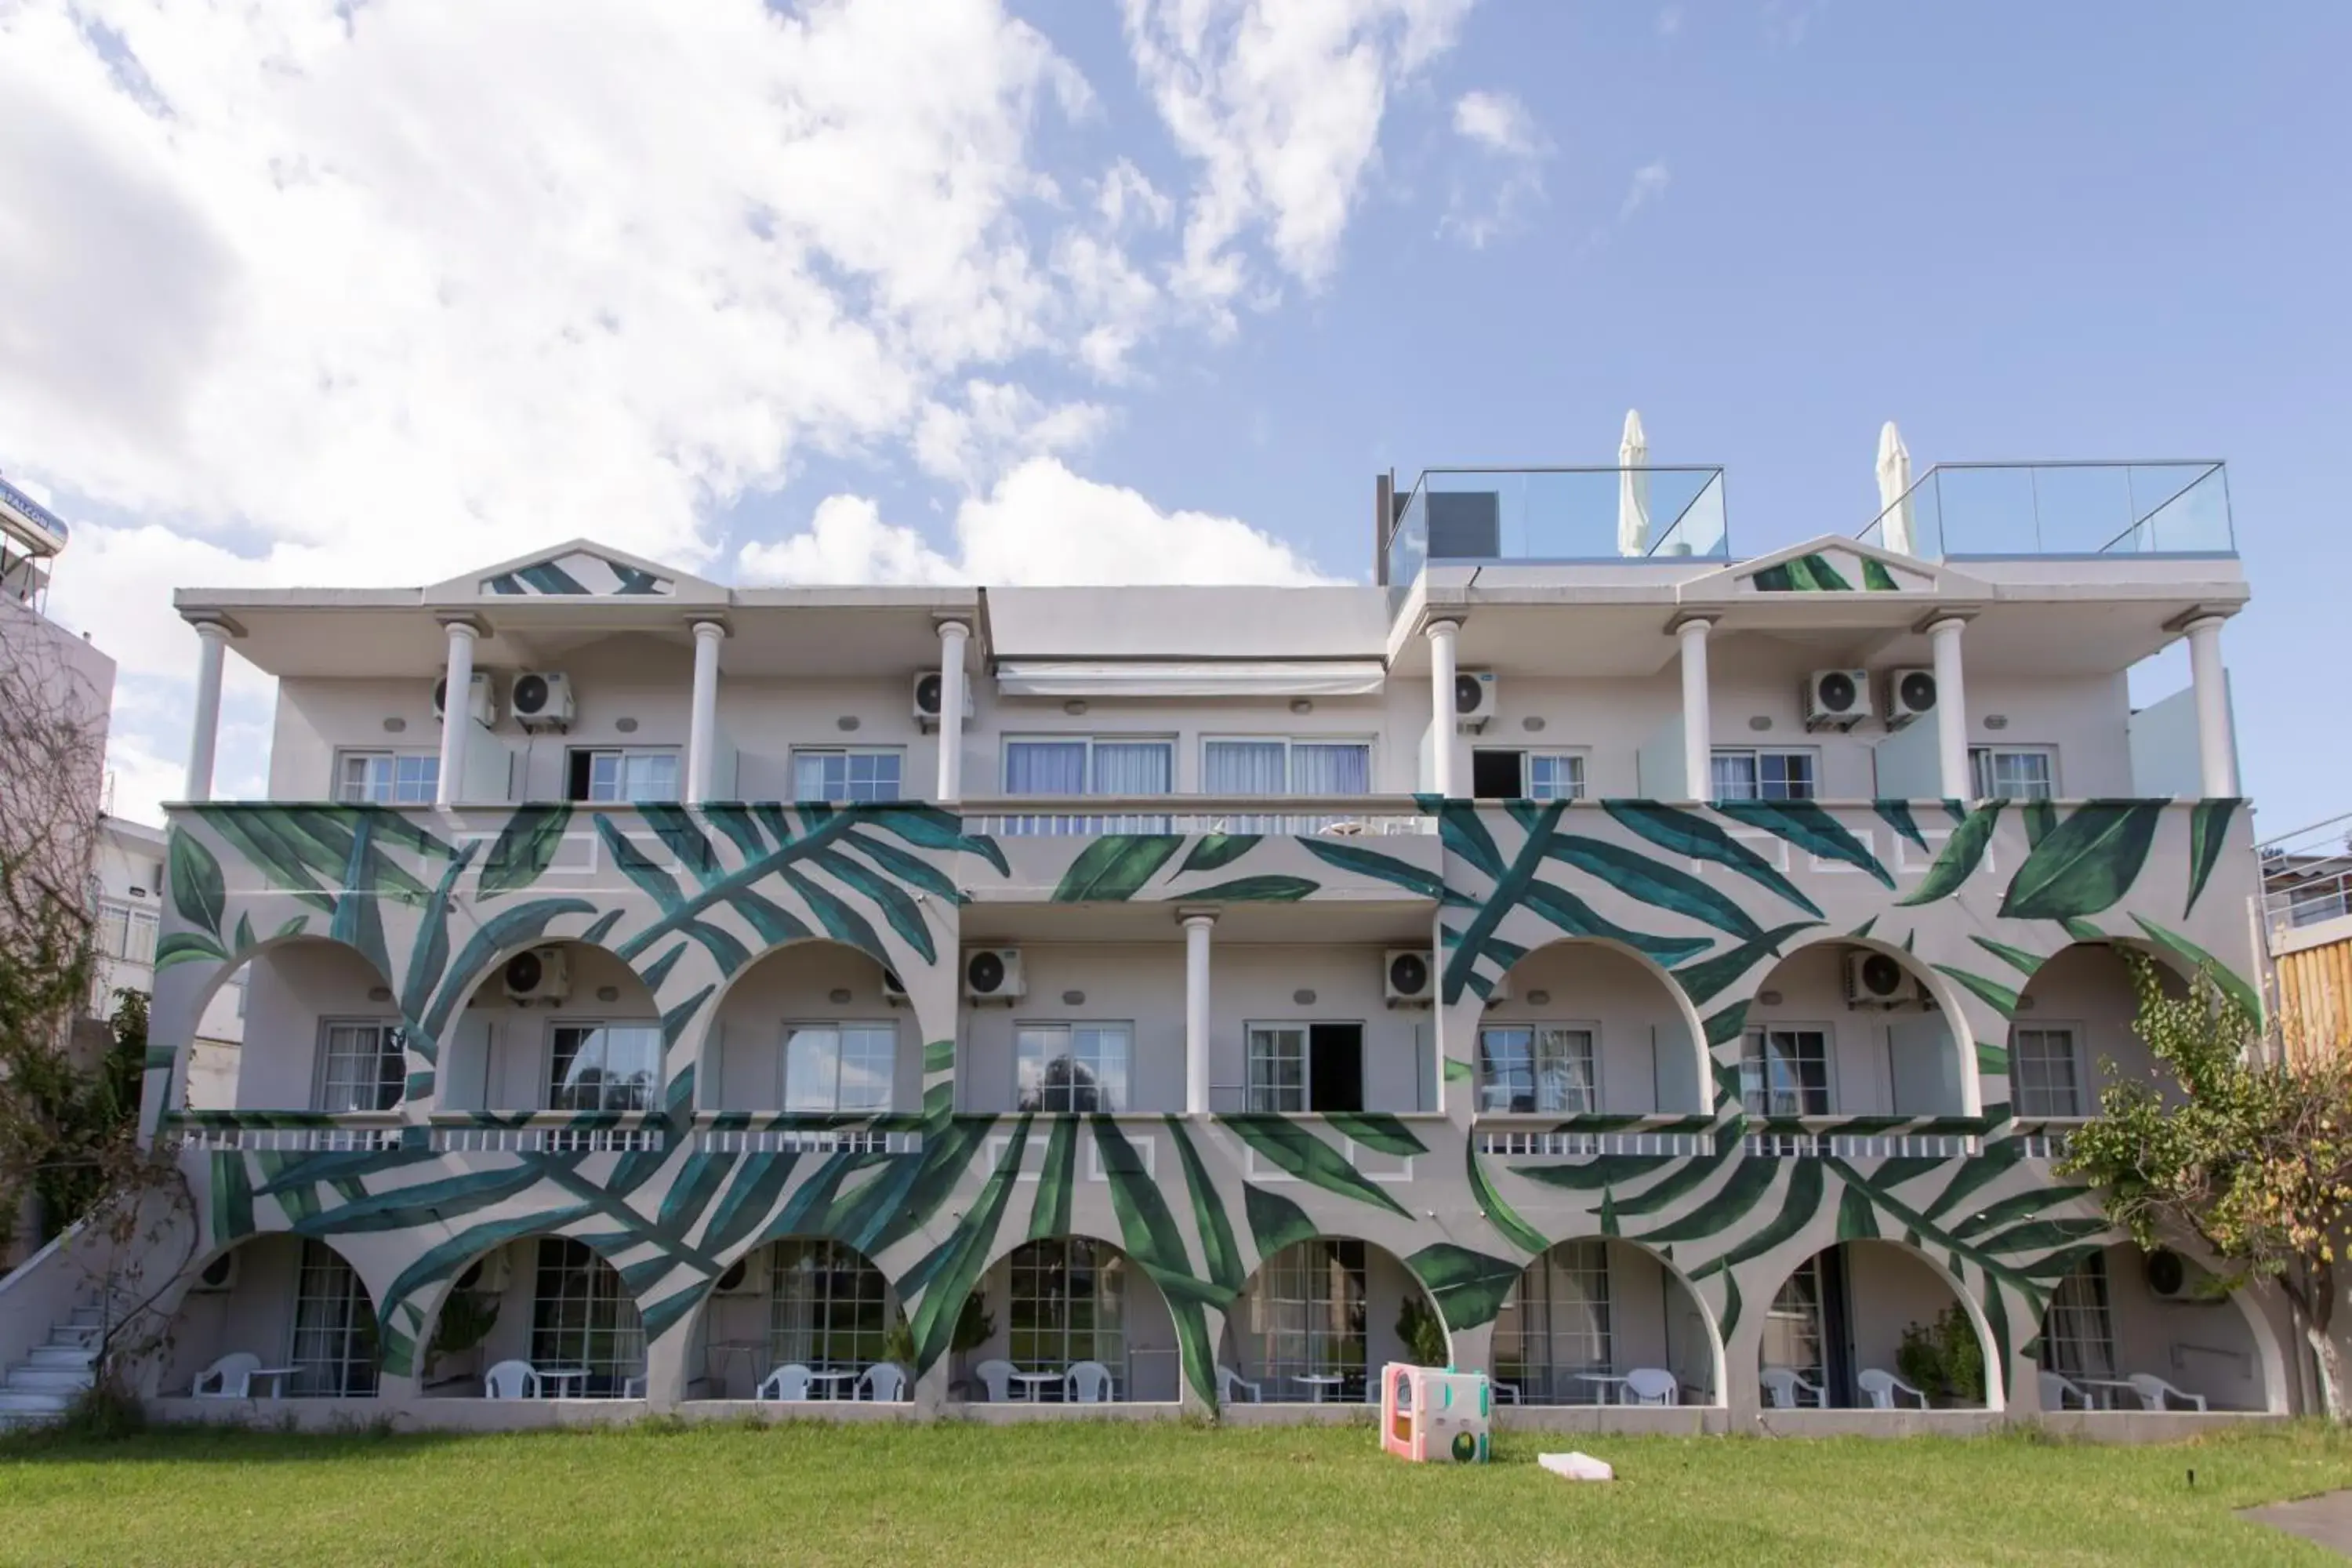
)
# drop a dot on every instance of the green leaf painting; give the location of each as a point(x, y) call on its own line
point(1688, 833)
point(1809, 826)
point(1469, 1288)
point(1294, 1147)
point(1112, 867)
point(2086, 863)
point(2208, 835)
point(198, 891)
point(1266, 890)
point(1217, 850)
point(525, 848)
point(1962, 852)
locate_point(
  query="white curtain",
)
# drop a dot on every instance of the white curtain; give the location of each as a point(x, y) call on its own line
point(1133, 767)
point(1243, 767)
point(1046, 767)
point(1331, 770)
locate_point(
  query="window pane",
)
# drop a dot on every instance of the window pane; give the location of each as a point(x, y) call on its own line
point(1045, 767)
point(2042, 1064)
point(1277, 1076)
point(1563, 1072)
point(415, 780)
point(1785, 1072)
point(1734, 775)
point(1243, 767)
point(605, 776)
point(1785, 775)
point(650, 776)
point(874, 776)
point(1321, 769)
point(1133, 767)
point(812, 1069)
point(820, 775)
point(1041, 1070)
point(1555, 777)
point(868, 1058)
point(1506, 1071)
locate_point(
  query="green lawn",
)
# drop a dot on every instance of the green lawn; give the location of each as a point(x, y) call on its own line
point(1112, 1493)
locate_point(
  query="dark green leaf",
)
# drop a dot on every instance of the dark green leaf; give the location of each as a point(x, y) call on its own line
point(897, 907)
point(1220, 1253)
point(1687, 833)
point(185, 947)
point(1464, 833)
point(1701, 981)
point(2000, 997)
point(1379, 867)
point(1264, 889)
point(2083, 930)
point(1809, 826)
point(1214, 849)
point(1876, 578)
point(1049, 1215)
point(1114, 866)
point(1574, 916)
point(1499, 1214)
point(1653, 882)
point(2208, 835)
point(683, 836)
point(232, 1206)
point(1469, 1288)
point(1292, 1147)
point(1857, 1219)
point(1275, 1221)
point(638, 867)
point(1729, 1204)
point(1376, 1130)
point(2041, 816)
point(2232, 984)
point(426, 1204)
point(846, 925)
point(1799, 1207)
point(2017, 958)
point(502, 932)
point(429, 953)
point(198, 891)
point(911, 871)
point(1897, 814)
point(1959, 862)
point(2085, 863)
point(526, 847)
point(934, 1318)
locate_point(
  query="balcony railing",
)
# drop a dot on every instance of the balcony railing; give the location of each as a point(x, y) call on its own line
point(1486, 515)
point(2307, 875)
point(1960, 512)
point(1338, 817)
point(1556, 1145)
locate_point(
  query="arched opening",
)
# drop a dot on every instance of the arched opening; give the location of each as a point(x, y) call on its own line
point(1846, 1029)
point(1597, 1322)
point(802, 1302)
point(814, 1027)
point(1317, 1321)
point(2078, 1011)
point(2132, 1331)
point(557, 1026)
point(1580, 1027)
point(307, 1024)
point(1058, 1304)
point(552, 1304)
point(289, 1303)
point(1858, 1314)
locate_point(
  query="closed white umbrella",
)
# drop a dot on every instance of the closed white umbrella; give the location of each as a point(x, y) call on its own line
point(1893, 489)
point(1632, 489)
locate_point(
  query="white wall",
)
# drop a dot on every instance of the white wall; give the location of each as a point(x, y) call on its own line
point(2088, 989)
point(743, 1060)
point(2202, 1346)
point(294, 990)
point(254, 1315)
point(499, 1053)
point(1642, 1045)
point(1155, 1366)
point(1864, 1079)
point(1888, 1288)
point(1142, 984)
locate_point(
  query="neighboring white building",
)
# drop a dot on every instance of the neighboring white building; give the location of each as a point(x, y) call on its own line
point(131, 872)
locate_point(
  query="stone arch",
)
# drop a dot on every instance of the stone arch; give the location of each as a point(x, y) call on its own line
point(504, 1280)
point(1877, 1331)
point(494, 1055)
point(2081, 997)
point(1295, 1319)
point(303, 979)
point(1814, 968)
point(730, 1313)
point(1682, 1067)
point(289, 1300)
point(797, 981)
point(2180, 1339)
point(1629, 1345)
point(1154, 1370)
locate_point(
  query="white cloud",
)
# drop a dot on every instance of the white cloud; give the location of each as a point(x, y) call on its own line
point(1490, 202)
point(996, 425)
point(1670, 21)
point(1650, 182)
point(1279, 103)
point(1497, 122)
point(1042, 524)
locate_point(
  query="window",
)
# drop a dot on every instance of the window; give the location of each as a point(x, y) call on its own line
point(1526, 775)
point(2041, 1071)
point(1533, 1069)
point(584, 1316)
point(1089, 765)
point(1063, 1067)
point(605, 1066)
point(845, 774)
point(1556, 1325)
point(828, 1306)
point(1277, 1068)
point(387, 778)
point(1763, 776)
point(126, 933)
point(365, 1067)
point(2013, 773)
point(846, 1067)
point(1793, 1334)
point(1785, 1072)
point(1069, 1304)
point(621, 776)
point(1286, 767)
point(2078, 1333)
point(1554, 775)
point(334, 1328)
point(1304, 1316)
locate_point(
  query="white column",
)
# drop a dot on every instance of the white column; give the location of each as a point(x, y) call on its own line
point(1442, 671)
point(952, 637)
point(2217, 748)
point(458, 717)
point(1951, 711)
point(1699, 723)
point(1196, 1010)
point(211, 642)
point(702, 724)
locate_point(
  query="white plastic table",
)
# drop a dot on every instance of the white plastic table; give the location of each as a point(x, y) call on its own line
point(1611, 1386)
point(277, 1376)
point(2105, 1390)
point(1317, 1382)
point(558, 1376)
point(830, 1382)
point(1033, 1381)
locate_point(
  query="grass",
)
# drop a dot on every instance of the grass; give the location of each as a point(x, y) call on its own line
point(1075, 1494)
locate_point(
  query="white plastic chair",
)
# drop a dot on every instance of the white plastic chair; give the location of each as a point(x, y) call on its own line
point(1652, 1386)
point(512, 1380)
point(231, 1377)
point(1882, 1386)
point(2154, 1391)
point(2057, 1389)
point(883, 1382)
point(1230, 1382)
point(1504, 1391)
point(996, 1376)
point(1783, 1385)
point(1088, 1383)
point(634, 1387)
point(786, 1383)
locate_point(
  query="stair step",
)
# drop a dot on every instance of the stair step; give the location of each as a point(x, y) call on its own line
point(47, 1379)
point(17, 1403)
point(82, 1356)
point(88, 1318)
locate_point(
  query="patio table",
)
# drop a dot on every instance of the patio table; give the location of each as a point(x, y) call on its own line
point(830, 1381)
point(1611, 1385)
point(558, 1376)
point(1033, 1380)
point(2105, 1390)
point(277, 1376)
point(1318, 1383)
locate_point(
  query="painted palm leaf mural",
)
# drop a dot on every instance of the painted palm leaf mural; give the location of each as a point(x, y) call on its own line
point(1973, 899)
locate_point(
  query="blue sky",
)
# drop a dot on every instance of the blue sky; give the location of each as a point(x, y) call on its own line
point(2021, 231)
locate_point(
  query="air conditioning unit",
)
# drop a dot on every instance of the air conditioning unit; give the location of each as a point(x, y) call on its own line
point(485, 1277)
point(218, 1276)
point(740, 1280)
point(2172, 1278)
point(1409, 975)
point(481, 703)
point(538, 975)
point(1475, 694)
point(930, 695)
point(1836, 698)
point(1910, 694)
point(893, 991)
point(1875, 980)
point(993, 975)
point(540, 699)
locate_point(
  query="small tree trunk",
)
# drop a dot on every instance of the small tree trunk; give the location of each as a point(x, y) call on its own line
point(2330, 1356)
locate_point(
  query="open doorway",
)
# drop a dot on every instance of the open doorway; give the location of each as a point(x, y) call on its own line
point(1334, 1066)
point(1306, 1067)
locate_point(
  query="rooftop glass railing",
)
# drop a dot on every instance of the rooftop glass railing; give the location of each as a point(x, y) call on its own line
point(1488, 516)
point(1957, 512)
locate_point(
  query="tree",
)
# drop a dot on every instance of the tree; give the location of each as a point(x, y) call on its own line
point(2253, 1157)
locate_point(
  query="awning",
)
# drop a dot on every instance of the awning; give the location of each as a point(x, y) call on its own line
point(1220, 678)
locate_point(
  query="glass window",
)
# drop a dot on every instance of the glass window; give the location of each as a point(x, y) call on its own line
point(605, 1066)
point(582, 1316)
point(1792, 1328)
point(845, 774)
point(388, 778)
point(126, 933)
point(1089, 765)
point(1785, 1072)
point(1277, 1068)
point(1069, 1304)
point(829, 1308)
point(1554, 775)
point(1285, 767)
point(1556, 1325)
point(619, 777)
point(1063, 1067)
point(845, 1067)
point(333, 1356)
point(2041, 1071)
point(366, 1067)
point(1531, 1069)
point(1302, 1316)
point(2078, 1333)
point(2004, 773)
point(1763, 776)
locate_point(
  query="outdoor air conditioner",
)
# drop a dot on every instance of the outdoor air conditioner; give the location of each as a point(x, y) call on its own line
point(740, 1280)
point(538, 975)
point(218, 1276)
point(481, 703)
point(2172, 1278)
point(485, 1277)
point(1475, 696)
point(1836, 698)
point(893, 991)
point(1910, 694)
point(930, 693)
point(1874, 979)
point(993, 975)
point(1409, 974)
point(541, 699)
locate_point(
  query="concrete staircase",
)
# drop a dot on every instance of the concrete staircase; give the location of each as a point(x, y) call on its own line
point(40, 1388)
